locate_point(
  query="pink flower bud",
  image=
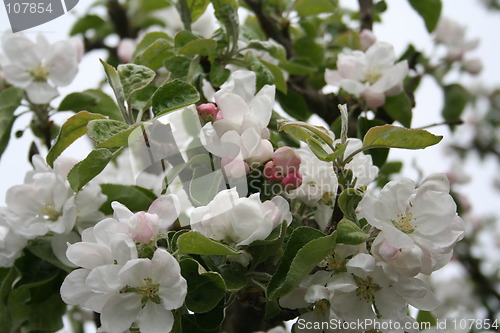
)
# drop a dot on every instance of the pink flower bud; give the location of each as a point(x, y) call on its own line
point(373, 98)
point(292, 181)
point(271, 173)
point(286, 160)
point(367, 39)
point(125, 50)
point(387, 251)
point(207, 111)
point(473, 66)
point(143, 230)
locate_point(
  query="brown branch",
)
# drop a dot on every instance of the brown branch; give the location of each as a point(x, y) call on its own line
point(366, 14)
point(118, 16)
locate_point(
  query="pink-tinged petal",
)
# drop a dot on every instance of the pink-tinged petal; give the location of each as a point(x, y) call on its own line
point(232, 107)
point(107, 228)
point(89, 255)
point(121, 212)
point(62, 63)
point(104, 279)
point(373, 98)
point(41, 92)
point(353, 87)
point(333, 77)
point(392, 77)
point(135, 271)
point(20, 50)
point(262, 105)
point(120, 312)
point(394, 199)
point(154, 318)
point(74, 291)
point(168, 208)
point(17, 76)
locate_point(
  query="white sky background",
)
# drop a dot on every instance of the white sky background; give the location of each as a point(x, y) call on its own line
point(400, 26)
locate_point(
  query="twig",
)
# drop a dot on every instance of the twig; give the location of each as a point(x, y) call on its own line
point(366, 14)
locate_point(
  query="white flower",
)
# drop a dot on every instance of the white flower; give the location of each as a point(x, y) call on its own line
point(11, 244)
point(371, 75)
point(361, 165)
point(418, 227)
point(145, 292)
point(319, 185)
point(46, 204)
point(452, 35)
point(144, 226)
point(365, 285)
point(39, 67)
point(242, 130)
point(240, 220)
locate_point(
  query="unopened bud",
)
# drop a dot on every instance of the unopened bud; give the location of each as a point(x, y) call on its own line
point(286, 160)
point(292, 180)
point(367, 39)
point(473, 66)
point(271, 173)
point(373, 98)
point(207, 111)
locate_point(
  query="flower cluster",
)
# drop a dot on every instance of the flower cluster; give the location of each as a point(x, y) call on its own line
point(39, 68)
point(372, 75)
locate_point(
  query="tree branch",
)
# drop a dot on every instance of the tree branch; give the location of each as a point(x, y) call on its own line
point(366, 14)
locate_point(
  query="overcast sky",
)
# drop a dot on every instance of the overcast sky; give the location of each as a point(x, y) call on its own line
point(400, 26)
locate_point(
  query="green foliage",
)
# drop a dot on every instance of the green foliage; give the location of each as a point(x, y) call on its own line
point(134, 198)
point(73, 128)
point(195, 243)
point(349, 233)
point(429, 10)
point(88, 168)
point(109, 133)
point(91, 100)
point(115, 83)
point(134, 77)
point(173, 95)
point(314, 7)
point(205, 289)
point(305, 249)
point(399, 108)
point(10, 99)
point(304, 131)
point(203, 47)
point(456, 98)
point(348, 201)
point(389, 136)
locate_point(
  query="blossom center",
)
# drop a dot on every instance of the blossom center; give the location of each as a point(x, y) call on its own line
point(366, 289)
point(373, 76)
point(40, 73)
point(148, 292)
point(334, 264)
point(322, 307)
point(49, 212)
point(404, 223)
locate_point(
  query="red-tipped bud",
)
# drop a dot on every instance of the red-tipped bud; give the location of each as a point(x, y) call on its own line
point(207, 111)
point(271, 173)
point(286, 160)
point(292, 180)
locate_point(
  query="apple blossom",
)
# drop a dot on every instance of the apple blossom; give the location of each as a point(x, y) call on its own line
point(11, 244)
point(238, 220)
point(367, 38)
point(418, 226)
point(452, 35)
point(244, 115)
point(371, 75)
point(473, 66)
point(284, 168)
point(361, 164)
point(39, 67)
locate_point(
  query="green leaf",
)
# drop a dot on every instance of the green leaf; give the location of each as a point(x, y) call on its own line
point(389, 136)
point(103, 130)
point(91, 100)
point(202, 47)
point(134, 198)
point(429, 10)
point(91, 22)
point(234, 277)
point(115, 83)
point(178, 66)
point(154, 54)
point(87, 169)
point(173, 95)
point(218, 73)
point(314, 7)
point(276, 50)
point(134, 77)
point(399, 108)
point(142, 99)
point(349, 233)
point(226, 11)
point(272, 246)
point(305, 249)
point(279, 78)
point(195, 243)
point(426, 317)
point(304, 131)
point(71, 130)
point(10, 99)
point(348, 201)
point(456, 98)
point(294, 104)
point(42, 248)
point(197, 8)
point(204, 289)
point(348, 39)
point(307, 48)
point(264, 75)
point(317, 149)
point(149, 39)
